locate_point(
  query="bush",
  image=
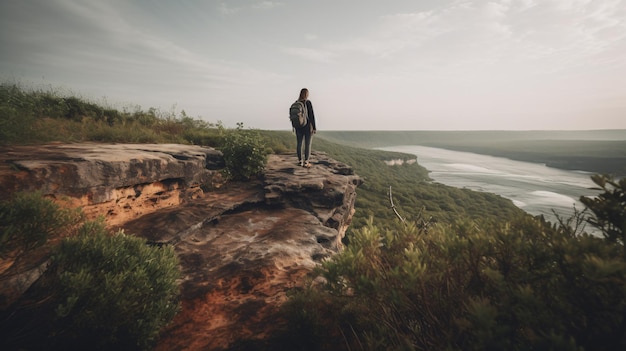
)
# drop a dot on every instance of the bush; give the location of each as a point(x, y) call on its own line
point(28, 220)
point(471, 286)
point(245, 154)
point(112, 290)
point(609, 208)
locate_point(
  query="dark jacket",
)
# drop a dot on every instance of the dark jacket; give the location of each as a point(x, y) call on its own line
point(310, 116)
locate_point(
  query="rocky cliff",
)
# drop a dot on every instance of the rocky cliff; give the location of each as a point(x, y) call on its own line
point(242, 246)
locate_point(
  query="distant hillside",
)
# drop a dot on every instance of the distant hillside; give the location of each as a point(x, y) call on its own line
point(597, 151)
point(388, 138)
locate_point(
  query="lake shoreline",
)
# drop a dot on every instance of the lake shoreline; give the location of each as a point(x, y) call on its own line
point(535, 188)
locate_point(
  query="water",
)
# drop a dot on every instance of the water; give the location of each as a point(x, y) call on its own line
point(533, 187)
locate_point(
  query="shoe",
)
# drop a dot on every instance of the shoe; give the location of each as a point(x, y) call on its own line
point(300, 163)
point(307, 164)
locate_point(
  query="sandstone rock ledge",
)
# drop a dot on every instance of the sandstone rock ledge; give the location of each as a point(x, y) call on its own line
point(118, 181)
point(245, 245)
point(242, 246)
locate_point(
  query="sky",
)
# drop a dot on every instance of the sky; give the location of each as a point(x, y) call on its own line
point(369, 65)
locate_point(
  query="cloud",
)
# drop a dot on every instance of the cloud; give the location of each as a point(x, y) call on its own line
point(494, 58)
point(316, 55)
point(113, 48)
point(228, 10)
point(267, 5)
point(562, 33)
point(570, 34)
point(144, 48)
point(397, 33)
point(225, 9)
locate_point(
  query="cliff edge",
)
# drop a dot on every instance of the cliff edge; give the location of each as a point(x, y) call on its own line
point(242, 245)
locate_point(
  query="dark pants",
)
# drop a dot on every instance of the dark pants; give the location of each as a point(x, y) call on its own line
point(303, 134)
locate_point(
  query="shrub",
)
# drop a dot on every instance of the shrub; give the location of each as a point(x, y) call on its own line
point(245, 154)
point(609, 208)
point(472, 286)
point(112, 290)
point(28, 220)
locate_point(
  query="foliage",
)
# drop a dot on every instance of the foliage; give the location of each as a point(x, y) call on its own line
point(609, 208)
point(471, 286)
point(100, 291)
point(39, 116)
point(113, 290)
point(245, 155)
point(28, 220)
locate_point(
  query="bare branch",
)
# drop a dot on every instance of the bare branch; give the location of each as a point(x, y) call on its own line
point(393, 207)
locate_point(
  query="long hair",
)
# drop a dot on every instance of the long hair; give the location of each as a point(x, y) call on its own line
point(304, 94)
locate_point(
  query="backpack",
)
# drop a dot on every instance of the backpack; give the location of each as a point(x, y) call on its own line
point(298, 114)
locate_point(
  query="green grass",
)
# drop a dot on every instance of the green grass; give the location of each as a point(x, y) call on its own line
point(40, 116)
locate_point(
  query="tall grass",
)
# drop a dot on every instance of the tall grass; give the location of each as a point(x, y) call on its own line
point(31, 116)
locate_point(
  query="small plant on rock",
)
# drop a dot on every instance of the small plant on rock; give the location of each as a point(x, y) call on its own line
point(28, 220)
point(245, 155)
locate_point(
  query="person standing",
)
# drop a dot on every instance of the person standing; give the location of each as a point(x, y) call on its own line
point(305, 133)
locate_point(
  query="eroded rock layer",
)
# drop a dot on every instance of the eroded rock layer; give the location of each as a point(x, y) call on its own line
point(118, 181)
